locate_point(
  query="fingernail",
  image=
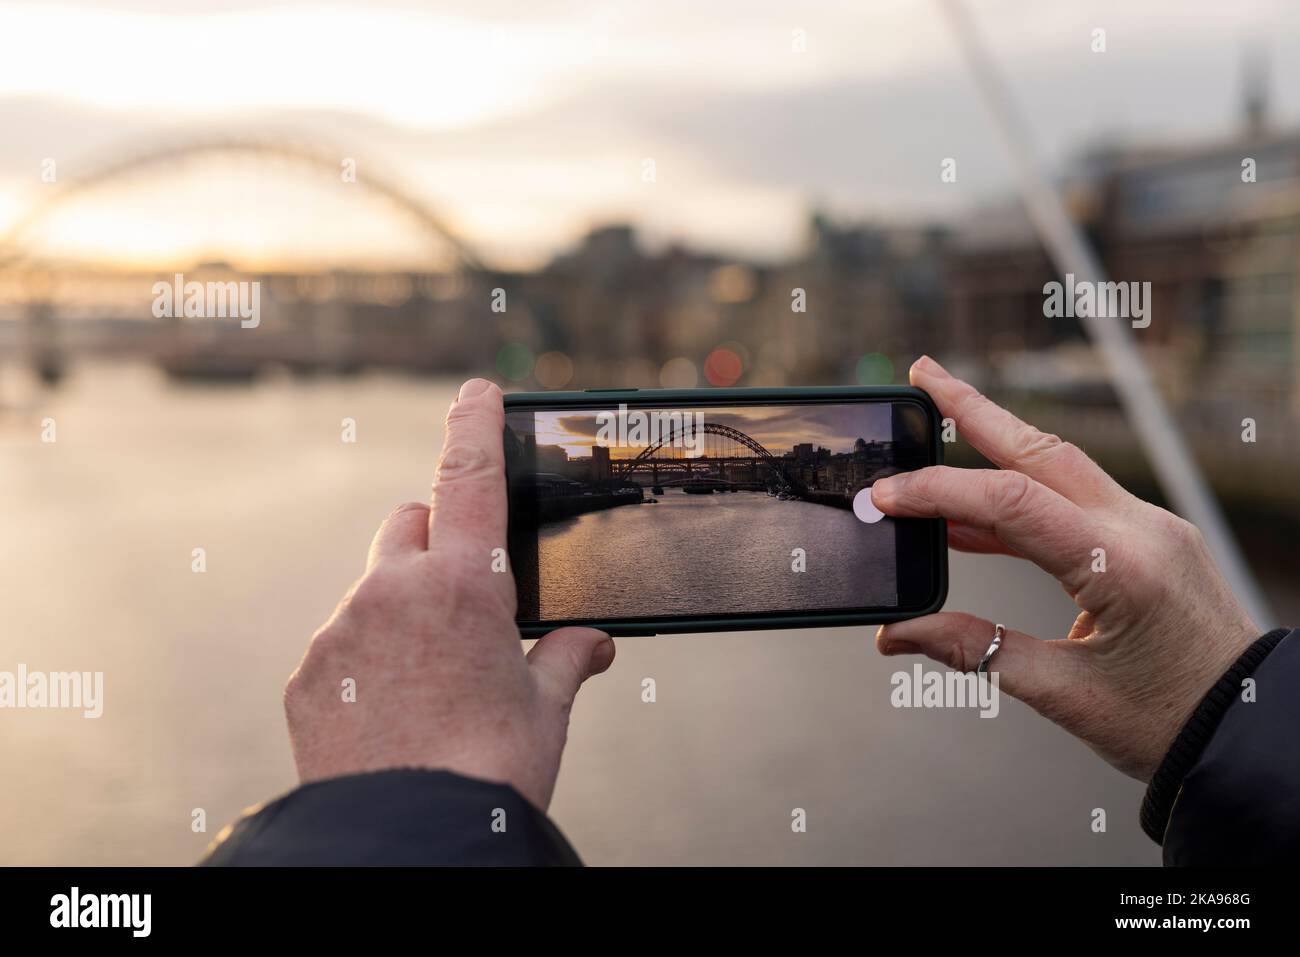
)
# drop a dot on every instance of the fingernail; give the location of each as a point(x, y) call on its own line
point(900, 648)
point(930, 367)
point(472, 388)
point(891, 646)
point(602, 656)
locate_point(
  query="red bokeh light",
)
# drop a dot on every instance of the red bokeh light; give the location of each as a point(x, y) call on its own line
point(723, 367)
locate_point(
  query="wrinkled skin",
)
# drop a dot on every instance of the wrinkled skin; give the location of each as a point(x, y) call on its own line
point(1156, 629)
point(429, 637)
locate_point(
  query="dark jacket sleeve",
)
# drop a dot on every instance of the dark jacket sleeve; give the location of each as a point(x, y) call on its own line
point(399, 817)
point(1228, 791)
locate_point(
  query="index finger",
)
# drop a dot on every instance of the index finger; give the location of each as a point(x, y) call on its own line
point(1031, 519)
point(1011, 443)
point(469, 487)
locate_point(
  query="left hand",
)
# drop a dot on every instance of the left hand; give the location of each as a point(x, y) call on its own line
point(1158, 625)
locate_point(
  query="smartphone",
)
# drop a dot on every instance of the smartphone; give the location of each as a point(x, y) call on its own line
point(644, 512)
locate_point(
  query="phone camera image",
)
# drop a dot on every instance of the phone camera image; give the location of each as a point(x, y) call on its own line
point(698, 512)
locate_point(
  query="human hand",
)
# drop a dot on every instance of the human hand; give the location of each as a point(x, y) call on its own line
point(429, 637)
point(1158, 627)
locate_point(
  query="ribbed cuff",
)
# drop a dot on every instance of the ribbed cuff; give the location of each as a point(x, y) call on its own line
point(1195, 735)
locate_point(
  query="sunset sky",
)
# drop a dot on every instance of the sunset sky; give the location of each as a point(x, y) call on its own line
point(778, 429)
point(523, 123)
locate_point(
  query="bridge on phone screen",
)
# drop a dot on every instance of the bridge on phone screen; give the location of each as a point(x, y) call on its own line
point(721, 458)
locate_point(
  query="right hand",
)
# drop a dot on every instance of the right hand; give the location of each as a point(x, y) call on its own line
point(429, 640)
point(1157, 628)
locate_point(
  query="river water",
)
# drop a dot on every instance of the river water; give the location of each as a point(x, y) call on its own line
point(728, 552)
point(98, 533)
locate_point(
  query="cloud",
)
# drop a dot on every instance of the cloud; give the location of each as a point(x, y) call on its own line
point(745, 136)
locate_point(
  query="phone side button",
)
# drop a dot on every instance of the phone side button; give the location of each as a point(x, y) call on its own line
point(611, 390)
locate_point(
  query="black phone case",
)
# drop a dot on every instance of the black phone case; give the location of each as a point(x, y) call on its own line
point(600, 398)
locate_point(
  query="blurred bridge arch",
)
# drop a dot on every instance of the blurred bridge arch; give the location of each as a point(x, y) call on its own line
point(438, 324)
point(318, 158)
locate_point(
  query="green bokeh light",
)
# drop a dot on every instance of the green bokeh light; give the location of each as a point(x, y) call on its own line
point(515, 361)
point(875, 369)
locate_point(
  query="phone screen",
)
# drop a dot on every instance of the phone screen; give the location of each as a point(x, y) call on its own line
point(734, 510)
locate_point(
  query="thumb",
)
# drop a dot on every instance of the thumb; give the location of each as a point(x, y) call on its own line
point(1042, 674)
point(563, 659)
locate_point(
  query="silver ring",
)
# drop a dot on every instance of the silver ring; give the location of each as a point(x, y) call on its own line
point(998, 634)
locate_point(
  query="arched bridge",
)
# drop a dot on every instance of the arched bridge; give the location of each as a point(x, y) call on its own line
point(720, 447)
point(14, 245)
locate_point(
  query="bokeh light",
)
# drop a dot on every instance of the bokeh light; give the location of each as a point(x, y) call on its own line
point(554, 370)
point(638, 374)
point(875, 369)
point(732, 284)
point(679, 373)
point(723, 367)
point(515, 361)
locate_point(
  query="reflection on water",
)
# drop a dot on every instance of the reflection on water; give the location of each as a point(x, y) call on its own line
point(729, 552)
